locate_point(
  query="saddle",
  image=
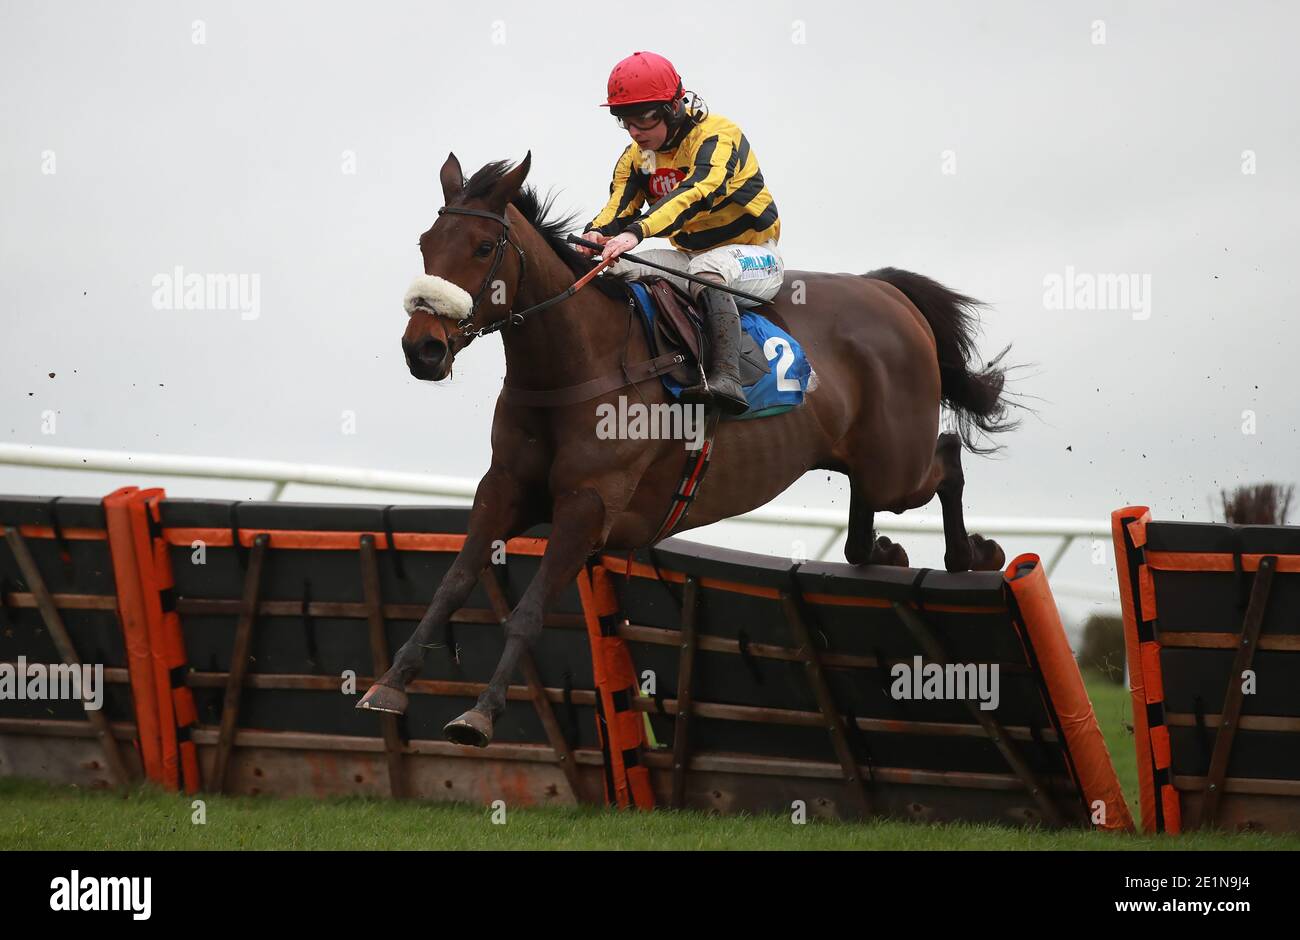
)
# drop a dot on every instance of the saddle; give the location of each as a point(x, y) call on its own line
point(677, 326)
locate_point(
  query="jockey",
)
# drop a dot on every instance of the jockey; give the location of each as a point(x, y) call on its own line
point(707, 197)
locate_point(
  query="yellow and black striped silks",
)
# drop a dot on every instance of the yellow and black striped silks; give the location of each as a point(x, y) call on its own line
point(708, 191)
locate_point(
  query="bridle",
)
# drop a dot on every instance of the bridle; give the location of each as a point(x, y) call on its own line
point(503, 239)
point(584, 391)
point(513, 319)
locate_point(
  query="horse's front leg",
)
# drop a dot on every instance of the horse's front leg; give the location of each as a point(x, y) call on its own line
point(498, 513)
point(578, 527)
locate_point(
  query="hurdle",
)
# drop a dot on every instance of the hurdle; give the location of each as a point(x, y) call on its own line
point(1212, 646)
point(58, 606)
point(238, 636)
point(772, 683)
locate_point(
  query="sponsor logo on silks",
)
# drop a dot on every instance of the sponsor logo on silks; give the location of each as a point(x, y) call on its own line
point(665, 180)
point(758, 263)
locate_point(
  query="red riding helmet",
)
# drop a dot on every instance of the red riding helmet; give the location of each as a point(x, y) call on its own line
point(643, 78)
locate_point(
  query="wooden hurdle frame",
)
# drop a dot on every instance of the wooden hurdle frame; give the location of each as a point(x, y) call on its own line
point(623, 766)
point(1173, 799)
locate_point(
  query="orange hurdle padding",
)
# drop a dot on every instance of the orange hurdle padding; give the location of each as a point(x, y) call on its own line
point(1137, 676)
point(72, 534)
point(174, 701)
point(135, 630)
point(149, 588)
point(1159, 801)
point(342, 540)
point(1218, 561)
point(623, 734)
point(182, 696)
point(1087, 747)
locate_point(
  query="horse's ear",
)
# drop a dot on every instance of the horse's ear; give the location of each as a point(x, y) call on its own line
point(508, 186)
point(453, 181)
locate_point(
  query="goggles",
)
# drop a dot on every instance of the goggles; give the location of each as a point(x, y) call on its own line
point(643, 121)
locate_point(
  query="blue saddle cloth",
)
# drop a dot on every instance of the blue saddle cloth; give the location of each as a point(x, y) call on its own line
point(788, 373)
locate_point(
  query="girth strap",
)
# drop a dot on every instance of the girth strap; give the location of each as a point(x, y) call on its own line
point(585, 391)
point(697, 464)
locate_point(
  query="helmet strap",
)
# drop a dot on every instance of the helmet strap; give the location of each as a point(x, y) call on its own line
point(677, 120)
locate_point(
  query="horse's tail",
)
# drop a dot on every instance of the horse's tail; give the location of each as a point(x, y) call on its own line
point(975, 398)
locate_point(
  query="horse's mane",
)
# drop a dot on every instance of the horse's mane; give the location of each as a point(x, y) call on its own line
point(542, 215)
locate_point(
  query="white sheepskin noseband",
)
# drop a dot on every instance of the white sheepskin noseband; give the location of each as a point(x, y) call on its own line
point(437, 295)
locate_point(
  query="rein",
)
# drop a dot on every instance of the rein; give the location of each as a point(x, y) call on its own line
point(514, 319)
point(571, 394)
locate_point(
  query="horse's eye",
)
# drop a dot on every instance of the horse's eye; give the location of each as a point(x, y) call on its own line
point(484, 249)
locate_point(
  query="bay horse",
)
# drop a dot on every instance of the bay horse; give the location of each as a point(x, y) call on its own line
point(888, 348)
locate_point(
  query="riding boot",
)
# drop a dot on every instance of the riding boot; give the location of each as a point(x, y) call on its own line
point(721, 387)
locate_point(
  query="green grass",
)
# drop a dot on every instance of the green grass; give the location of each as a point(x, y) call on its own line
point(39, 816)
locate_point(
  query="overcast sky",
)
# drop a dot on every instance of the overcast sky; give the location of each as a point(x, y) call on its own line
point(992, 146)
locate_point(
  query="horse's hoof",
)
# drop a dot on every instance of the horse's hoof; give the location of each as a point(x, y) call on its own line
point(885, 552)
point(473, 729)
point(384, 698)
point(986, 554)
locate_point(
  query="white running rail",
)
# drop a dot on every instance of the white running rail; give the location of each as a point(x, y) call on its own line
point(281, 474)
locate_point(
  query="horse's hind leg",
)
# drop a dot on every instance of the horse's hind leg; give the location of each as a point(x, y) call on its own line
point(862, 547)
point(963, 552)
